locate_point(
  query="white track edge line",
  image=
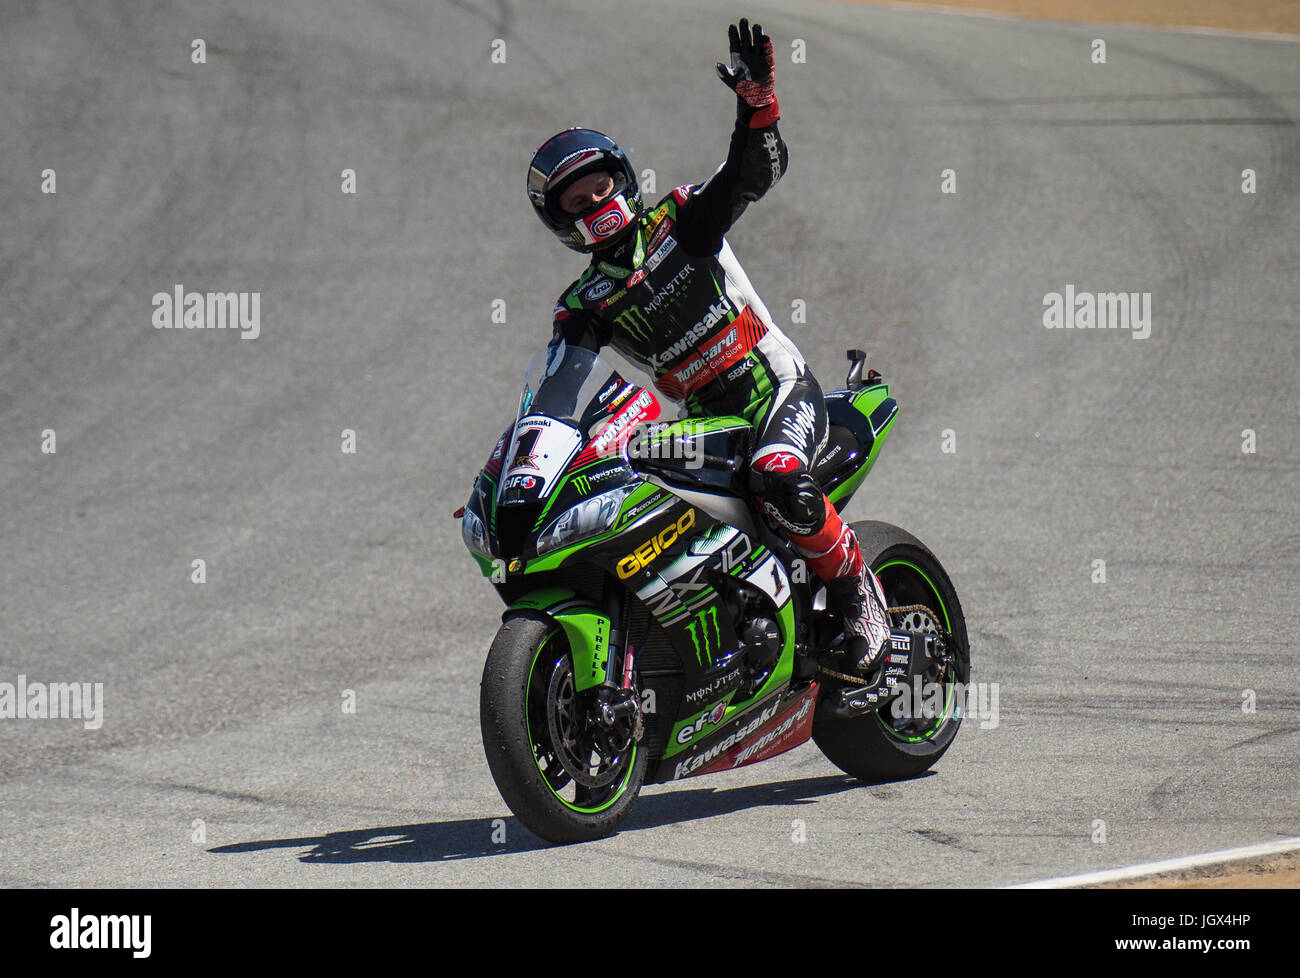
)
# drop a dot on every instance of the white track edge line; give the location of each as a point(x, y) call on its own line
point(1164, 866)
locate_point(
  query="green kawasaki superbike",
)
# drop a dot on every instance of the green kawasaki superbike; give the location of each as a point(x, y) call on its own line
point(657, 628)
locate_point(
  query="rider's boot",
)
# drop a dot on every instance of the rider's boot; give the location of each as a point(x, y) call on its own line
point(853, 591)
point(859, 600)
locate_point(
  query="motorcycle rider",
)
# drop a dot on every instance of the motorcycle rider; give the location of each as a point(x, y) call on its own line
point(665, 289)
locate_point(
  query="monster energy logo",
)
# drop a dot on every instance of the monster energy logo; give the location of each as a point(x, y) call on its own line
point(582, 484)
point(700, 630)
point(635, 322)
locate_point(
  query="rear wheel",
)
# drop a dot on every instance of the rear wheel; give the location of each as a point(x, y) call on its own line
point(889, 744)
point(565, 774)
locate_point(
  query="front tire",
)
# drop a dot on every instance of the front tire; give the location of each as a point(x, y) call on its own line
point(879, 746)
point(535, 735)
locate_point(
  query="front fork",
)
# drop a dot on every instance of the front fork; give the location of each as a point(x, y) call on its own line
point(617, 700)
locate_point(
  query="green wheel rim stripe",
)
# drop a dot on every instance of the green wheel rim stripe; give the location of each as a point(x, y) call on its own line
point(631, 761)
point(947, 624)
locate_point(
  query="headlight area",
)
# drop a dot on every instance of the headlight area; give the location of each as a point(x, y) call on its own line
point(474, 533)
point(588, 518)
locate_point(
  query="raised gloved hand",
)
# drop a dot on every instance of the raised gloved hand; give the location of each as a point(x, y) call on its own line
point(752, 63)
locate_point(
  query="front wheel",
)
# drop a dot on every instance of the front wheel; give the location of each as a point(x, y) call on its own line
point(882, 745)
point(566, 775)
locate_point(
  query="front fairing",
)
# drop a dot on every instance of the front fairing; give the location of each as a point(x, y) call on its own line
point(560, 472)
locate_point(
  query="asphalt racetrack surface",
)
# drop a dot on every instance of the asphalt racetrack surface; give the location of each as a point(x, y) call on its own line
point(1146, 716)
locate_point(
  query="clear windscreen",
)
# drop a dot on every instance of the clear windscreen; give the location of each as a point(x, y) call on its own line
point(562, 381)
point(569, 395)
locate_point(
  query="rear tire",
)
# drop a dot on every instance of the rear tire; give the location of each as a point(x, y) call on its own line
point(878, 746)
point(524, 668)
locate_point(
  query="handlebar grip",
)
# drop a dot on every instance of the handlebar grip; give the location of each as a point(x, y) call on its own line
point(730, 464)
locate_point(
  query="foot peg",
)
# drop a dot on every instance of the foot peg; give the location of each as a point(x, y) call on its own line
point(907, 654)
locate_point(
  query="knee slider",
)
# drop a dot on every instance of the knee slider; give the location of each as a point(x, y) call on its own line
point(799, 503)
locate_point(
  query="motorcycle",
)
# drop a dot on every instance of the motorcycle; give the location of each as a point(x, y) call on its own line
point(657, 627)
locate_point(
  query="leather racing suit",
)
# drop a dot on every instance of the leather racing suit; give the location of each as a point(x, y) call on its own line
point(672, 297)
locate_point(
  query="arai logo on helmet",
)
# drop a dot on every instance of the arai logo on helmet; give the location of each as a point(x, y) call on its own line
point(599, 290)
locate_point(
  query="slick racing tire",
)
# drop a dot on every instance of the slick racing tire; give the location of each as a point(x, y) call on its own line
point(884, 745)
point(549, 757)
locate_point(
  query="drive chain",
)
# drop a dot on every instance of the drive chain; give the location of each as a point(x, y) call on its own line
point(898, 610)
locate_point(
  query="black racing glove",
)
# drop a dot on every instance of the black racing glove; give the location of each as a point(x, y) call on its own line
point(752, 63)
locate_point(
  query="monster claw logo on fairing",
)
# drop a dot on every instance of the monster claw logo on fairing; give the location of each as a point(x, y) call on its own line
point(705, 651)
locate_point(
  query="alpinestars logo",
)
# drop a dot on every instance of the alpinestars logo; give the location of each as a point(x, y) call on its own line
point(777, 462)
point(798, 529)
point(845, 551)
point(773, 154)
